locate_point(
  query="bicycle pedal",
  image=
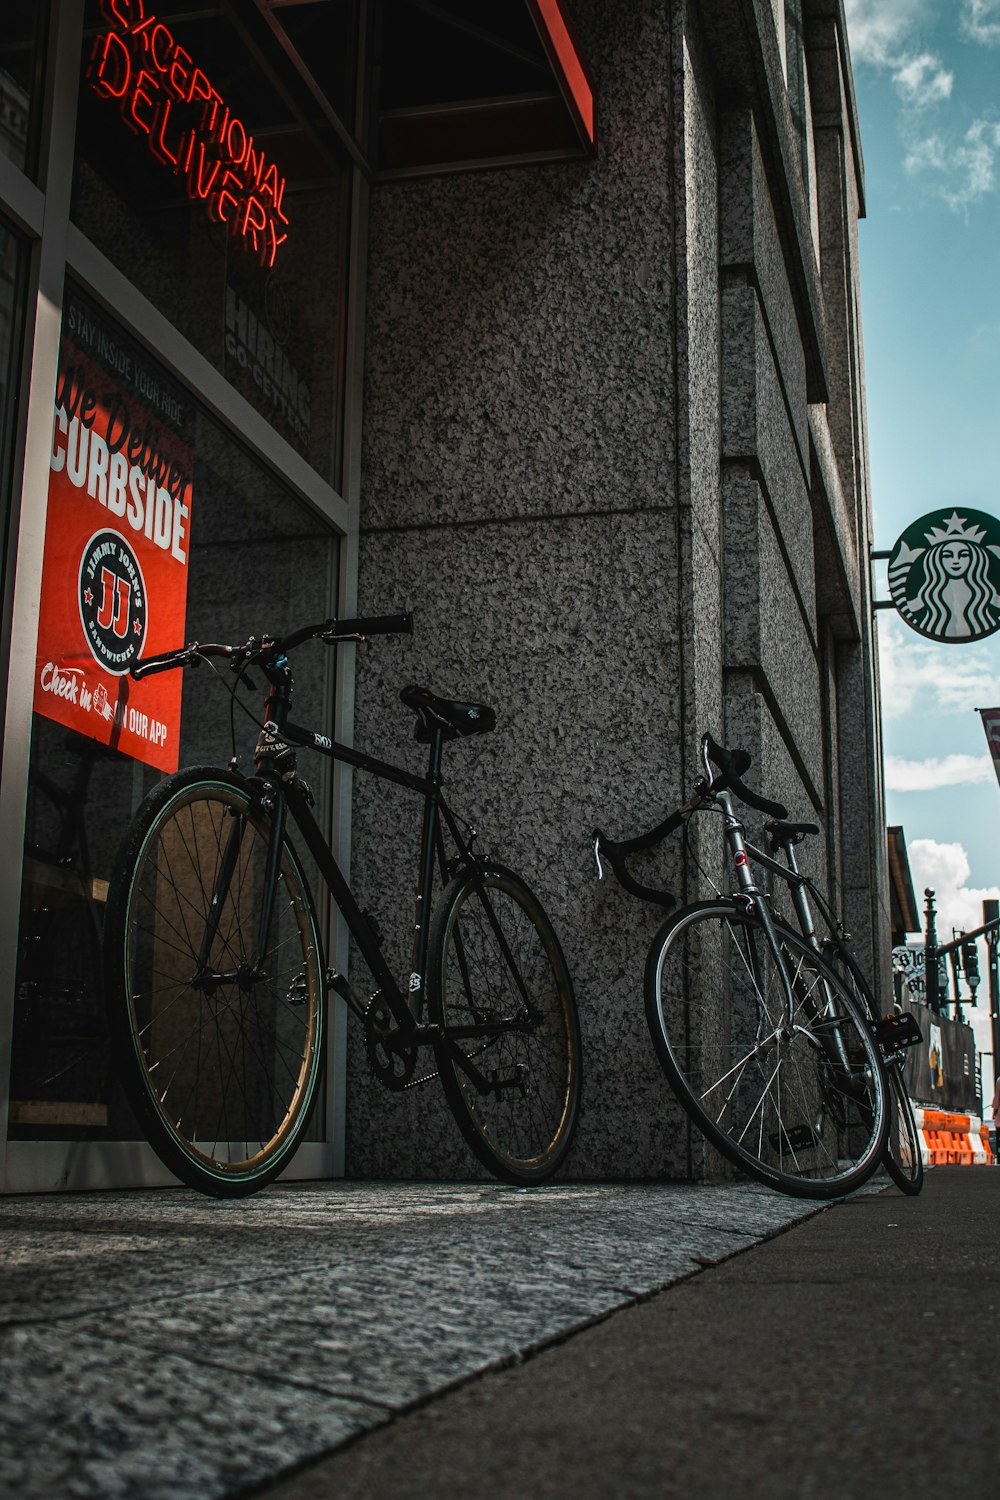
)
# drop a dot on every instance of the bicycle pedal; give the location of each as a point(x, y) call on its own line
point(897, 1031)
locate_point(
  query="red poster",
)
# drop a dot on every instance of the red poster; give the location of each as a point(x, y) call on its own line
point(114, 584)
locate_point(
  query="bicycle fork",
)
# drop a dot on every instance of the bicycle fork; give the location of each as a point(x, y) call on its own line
point(247, 974)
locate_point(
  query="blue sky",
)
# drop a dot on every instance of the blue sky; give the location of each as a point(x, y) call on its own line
point(927, 78)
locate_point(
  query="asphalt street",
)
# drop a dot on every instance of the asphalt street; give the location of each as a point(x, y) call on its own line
point(442, 1340)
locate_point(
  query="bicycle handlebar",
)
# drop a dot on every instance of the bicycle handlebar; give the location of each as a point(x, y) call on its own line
point(617, 852)
point(331, 631)
point(731, 764)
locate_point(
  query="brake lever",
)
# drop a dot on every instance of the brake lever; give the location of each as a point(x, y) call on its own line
point(332, 639)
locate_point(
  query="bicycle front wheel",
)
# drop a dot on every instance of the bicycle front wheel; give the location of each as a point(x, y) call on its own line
point(794, 1094)
point(509, 1053)
point(219, 1045)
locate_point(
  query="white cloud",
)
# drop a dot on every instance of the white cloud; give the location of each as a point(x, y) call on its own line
point(881, 32)
point(921, 81)
point(967, 169)
point(886, 34)
point(927, 677)
point(878, 29)
point(928, 154)
point(945, 869)
point(937, 771)
point(981, 21)
point(974, 161)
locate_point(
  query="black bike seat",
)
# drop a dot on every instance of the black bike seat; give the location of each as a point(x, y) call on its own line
point(452, 718)
point(781, 832)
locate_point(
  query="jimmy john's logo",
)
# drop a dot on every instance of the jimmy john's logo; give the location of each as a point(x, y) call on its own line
point(113, 602)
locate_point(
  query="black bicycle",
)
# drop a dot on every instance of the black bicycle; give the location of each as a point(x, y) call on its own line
point(216, 980)
point(768, 1035)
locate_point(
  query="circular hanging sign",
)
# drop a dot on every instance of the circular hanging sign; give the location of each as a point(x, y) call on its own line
point(944, 575)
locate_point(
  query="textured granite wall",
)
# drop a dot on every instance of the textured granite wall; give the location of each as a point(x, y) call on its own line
point(519, 492)
point(843, 477)
point(591, 469)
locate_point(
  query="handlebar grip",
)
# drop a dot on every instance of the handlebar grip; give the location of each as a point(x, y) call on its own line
point(378, 625)
point(332, 631)
point(165, 661)
point(762, 804)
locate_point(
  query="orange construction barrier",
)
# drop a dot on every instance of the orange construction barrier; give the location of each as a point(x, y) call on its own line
point(952, 1140)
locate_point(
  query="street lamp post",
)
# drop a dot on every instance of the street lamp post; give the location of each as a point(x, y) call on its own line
point(931, 978)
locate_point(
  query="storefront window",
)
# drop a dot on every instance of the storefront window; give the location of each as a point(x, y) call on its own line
point(209, 171)
point(161, 529)
point(22, 24)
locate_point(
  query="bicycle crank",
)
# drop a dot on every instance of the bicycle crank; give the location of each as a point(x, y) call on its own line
point(392, 1057)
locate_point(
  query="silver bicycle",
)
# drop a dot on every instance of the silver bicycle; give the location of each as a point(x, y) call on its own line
point(763, 1030)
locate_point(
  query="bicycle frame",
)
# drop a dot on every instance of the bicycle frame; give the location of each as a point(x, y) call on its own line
point(743, 853)
point(799, 884)
point(748, 889)
point(276, 799)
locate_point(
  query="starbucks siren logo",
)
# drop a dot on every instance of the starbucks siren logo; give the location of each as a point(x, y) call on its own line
point(112, 598)
point(944, 575)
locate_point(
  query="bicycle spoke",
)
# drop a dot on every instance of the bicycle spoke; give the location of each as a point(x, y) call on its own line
point(497, 964)
point(794, 1099)
point(228, 1045)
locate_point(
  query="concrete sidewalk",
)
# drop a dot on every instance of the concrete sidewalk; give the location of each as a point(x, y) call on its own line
point(162, 1345)
point(856, 1356)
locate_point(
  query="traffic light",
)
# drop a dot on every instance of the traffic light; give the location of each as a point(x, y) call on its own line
point(970, 964)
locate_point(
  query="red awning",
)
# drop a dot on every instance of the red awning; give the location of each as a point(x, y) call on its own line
point(462, 85)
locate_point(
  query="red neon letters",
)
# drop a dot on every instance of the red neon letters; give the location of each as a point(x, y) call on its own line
point(188, 127)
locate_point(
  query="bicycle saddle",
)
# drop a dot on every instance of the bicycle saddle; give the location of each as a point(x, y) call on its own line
point(453, 719)
point(781, 832)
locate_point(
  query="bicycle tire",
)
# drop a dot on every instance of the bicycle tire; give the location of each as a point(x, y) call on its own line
point(244, 1052)
point(801, 1108)
point(494, 953)
point(904, 1160)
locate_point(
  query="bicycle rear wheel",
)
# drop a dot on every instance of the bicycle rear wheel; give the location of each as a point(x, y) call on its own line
point(797, 1102)
point(904, 1159)
point(219, 1047)
point(510, 1054)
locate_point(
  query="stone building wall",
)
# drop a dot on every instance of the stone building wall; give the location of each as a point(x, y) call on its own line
point(599, 468)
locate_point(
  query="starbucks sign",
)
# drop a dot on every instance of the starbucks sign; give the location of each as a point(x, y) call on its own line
point(944, 575)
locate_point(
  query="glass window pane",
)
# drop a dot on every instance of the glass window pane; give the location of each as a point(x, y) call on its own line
point(245, 557)
point(22, 30)
point(323, 35)
point(207, 172)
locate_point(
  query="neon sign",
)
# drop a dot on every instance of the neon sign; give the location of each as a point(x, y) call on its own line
point(188, 126)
